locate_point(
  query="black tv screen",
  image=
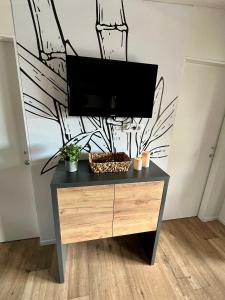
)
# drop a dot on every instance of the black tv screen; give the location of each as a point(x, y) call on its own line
point(100, 87)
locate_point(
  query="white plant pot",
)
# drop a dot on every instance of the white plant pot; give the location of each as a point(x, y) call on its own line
point(71, 166)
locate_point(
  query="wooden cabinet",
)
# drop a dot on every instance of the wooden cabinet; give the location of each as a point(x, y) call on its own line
point(136, 207)
point(93, 212)
point(88, 206)
point(85, 213)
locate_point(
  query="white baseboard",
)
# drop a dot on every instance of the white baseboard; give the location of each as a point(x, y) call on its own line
point(221, 220)
point(208, 219)
point(47, 242)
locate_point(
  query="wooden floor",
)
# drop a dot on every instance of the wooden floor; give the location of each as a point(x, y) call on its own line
point(190, 264)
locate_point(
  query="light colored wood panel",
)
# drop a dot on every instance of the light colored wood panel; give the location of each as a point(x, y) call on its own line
point(190, 256)
point(214, 260)
point(41, 286)
point(107, 275)
point(140, 191)
point(218, 229)
point(78, 286)
point(136, 207)
point(85, 213)
point(148, 280)
point(86, 197)
point(134, 226)
point(136, 211)
point(70, 217)
point(81, 298)
point(86, 232)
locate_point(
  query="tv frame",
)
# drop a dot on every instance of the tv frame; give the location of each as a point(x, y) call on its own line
point(91, 113)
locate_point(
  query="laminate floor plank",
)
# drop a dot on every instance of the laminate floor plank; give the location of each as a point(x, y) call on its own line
point(190, 264)
point(210, 263)
point(183, 258)
point(107, 274)
point(78, 271)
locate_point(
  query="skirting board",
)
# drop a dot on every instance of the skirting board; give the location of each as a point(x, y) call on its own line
point(221, 220)
point(208, 219)
point(47, 242)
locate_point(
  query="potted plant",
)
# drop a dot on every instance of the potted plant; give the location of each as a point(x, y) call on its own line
point(70, 154)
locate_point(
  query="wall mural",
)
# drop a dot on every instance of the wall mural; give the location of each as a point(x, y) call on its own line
point(46, 74)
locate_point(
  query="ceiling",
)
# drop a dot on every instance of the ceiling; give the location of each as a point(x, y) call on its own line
point(206, 3)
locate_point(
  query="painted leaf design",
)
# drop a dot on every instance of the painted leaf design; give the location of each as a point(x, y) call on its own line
point(38, 108)
point(147, 132)
point(139, 135)
point(45, 75)
point(96, 142)
point(40, 74)
point(81, 140)
point(159, 90)
point(91, 124)
point(51, 163)
point(160, 151)
point(165, 121)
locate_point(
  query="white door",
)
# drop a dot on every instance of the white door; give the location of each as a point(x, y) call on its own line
point(18, 218)
point(198, 122)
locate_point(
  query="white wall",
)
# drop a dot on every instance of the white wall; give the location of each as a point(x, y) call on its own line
point(6, 23)
point(206, 41)
point(158, 33)
point(152, 29)
point(206, 34)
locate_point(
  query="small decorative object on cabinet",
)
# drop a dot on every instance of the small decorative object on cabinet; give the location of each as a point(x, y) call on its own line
point(145, 159)
point(70, 154)
point(88, 206)
point(137, 163)
point(109, 162)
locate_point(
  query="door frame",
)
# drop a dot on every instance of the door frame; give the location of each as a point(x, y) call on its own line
point(27, 155)
point(208, 189)
point(203, 213)
point(24, 137)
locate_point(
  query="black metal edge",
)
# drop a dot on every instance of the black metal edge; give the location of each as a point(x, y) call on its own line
point(150, 239)
point(60, 249)
point(166, 182)
point(103, 182)
point(162, 176)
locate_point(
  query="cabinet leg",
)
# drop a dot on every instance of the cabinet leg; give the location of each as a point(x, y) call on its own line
point(61, 250)
point(149, 243)
point(150, 239)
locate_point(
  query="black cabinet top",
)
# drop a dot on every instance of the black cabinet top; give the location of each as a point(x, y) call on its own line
point(84, 176)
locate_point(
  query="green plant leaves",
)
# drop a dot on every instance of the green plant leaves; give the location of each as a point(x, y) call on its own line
point(70, 152)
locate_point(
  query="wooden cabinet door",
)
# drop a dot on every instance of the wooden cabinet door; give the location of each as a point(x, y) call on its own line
point(85, 213)
point(136, 207)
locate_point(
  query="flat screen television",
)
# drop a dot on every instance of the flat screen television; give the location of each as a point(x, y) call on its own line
point(100, 87)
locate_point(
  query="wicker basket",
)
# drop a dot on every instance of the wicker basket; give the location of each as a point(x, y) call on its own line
point(109, 162)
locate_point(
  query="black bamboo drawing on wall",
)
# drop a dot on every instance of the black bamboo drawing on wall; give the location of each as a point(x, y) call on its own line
point(45, 95)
